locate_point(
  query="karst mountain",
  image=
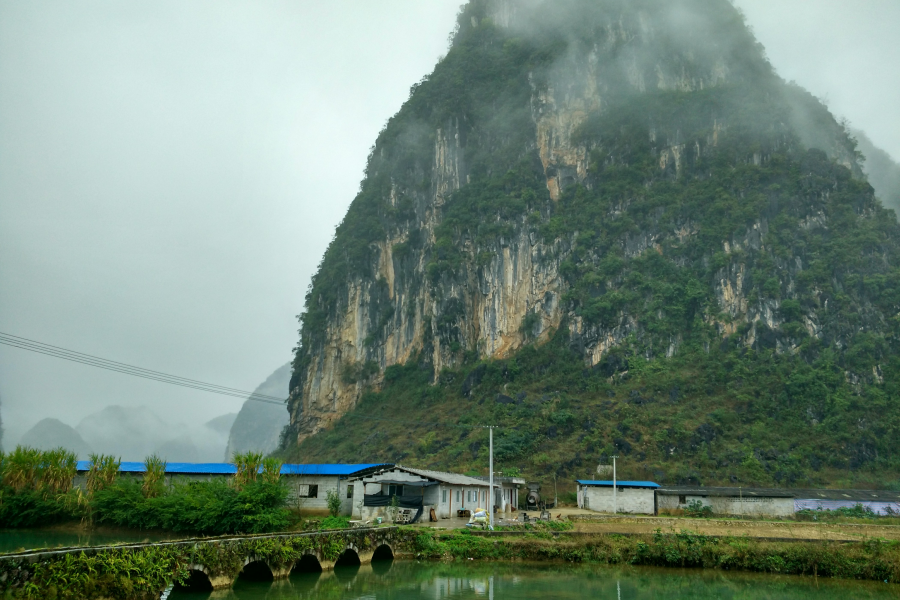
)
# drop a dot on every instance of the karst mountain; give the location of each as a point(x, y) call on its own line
point(608, 227)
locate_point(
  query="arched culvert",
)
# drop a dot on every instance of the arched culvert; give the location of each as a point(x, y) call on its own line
point(256, 570)
point(307, 564)
point(383, 552)
point(348, 558)
point(197, 581)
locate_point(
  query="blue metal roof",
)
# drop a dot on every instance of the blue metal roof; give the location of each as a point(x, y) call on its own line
point(332, 469)
point(177, 468)
point(640, 484)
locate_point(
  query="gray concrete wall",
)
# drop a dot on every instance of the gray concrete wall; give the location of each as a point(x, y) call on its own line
point(628, 500)
point(731, 505)
point(296, 483)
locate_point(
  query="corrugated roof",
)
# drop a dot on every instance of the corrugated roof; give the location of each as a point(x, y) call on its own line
point(443, 477)
point(847, 495)
point(176, 468)
point(639, 484)
point(806, 494)
point(746, 492)
point(329, 469)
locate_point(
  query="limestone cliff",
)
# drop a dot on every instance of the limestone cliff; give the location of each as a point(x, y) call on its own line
point(608, 169)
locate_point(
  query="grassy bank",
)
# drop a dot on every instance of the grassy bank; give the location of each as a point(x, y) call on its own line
point(875, 559)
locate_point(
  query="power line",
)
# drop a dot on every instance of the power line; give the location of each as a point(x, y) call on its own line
point(30, 345)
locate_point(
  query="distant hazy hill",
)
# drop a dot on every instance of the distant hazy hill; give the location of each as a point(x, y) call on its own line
point(53, 433)
point(259, 424)
point(133, 433)
point(882, 170)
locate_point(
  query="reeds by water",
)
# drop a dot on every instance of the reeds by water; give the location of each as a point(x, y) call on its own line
point(154, 476)
point(50, 471)
point(103, 472)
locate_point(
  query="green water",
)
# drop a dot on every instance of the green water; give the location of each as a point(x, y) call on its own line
point(407, 580)
point(29, 539)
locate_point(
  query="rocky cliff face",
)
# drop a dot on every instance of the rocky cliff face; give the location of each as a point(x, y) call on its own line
point(559, 163)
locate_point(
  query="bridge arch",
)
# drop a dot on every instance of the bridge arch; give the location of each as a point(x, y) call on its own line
point(348, 558)
point(197, 581)
point(308, 563)
point(256, 569)
point(383, 552)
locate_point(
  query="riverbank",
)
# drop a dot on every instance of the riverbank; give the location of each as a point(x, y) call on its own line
point(873, 559)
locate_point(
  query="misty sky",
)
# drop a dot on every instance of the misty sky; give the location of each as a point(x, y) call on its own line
point(171, 172)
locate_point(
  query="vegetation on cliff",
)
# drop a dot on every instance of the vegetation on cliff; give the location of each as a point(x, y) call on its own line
point(721, 286)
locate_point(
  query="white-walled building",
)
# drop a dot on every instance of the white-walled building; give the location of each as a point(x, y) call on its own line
point(633, 497)
point(748, 502)
point(446, 493)
point(506, 492)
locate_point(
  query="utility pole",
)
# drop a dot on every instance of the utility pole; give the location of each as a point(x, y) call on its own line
point(615, 487)
point(490, 505)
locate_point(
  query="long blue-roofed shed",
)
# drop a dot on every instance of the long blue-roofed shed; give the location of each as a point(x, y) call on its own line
point(308, 484)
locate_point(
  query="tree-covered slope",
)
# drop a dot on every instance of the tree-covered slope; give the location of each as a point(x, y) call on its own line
point(608, 226)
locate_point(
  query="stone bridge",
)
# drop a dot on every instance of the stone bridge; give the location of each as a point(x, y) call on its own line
point(197, 564)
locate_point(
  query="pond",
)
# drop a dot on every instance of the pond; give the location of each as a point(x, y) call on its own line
point(410, 580)
point(27, 539)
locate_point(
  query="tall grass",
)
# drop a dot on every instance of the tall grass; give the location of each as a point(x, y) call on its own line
point(103, 472)
point(154, 476)
point(247, 464)
point(22, 468)
point(271, 470)
point(59, 470)
point(26, 468)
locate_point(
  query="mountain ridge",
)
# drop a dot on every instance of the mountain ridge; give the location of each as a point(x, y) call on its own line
point(621, 193)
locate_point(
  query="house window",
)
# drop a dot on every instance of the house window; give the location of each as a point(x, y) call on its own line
point(350, 491)
point(443, 496)
point(457, 496)
point(307, 491)
point(682, 499)
point(395, 490)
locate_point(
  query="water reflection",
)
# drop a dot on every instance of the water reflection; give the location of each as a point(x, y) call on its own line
point(18, 540)
point(407, 580)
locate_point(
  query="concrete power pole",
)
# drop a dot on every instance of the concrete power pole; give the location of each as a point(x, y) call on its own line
point(615, 487)
point(490, 505)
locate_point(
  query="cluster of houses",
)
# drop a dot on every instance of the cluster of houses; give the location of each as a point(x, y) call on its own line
point(646, 497)
point(368, 491)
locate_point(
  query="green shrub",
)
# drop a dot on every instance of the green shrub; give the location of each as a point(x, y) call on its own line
point(334, 522)
point(208, 507)
point(697, 509)
point(333, 500)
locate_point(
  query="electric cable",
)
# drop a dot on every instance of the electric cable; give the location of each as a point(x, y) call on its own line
point(30, 345)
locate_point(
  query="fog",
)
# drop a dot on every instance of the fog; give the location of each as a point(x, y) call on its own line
point(171, 173)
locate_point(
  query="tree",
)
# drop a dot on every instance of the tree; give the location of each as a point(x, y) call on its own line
point(333, 500)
